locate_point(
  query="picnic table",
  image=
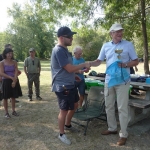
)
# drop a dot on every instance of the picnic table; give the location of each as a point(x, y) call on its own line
point(139, 109)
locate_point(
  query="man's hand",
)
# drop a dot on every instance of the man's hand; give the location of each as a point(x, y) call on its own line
point(86, 70)
point(122, 65)
point(87, 65)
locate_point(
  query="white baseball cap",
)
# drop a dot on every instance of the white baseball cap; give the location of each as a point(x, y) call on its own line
point(116, 27)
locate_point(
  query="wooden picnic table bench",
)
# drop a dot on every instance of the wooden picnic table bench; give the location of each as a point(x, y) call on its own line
point(136, 104)
point(139, 103)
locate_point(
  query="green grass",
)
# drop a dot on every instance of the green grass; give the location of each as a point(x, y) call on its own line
point(37, 126)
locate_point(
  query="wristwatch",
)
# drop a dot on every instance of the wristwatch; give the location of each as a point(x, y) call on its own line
point(126, 65)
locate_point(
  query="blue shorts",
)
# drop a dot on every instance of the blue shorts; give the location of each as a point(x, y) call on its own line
point(67, 98)
point(81, 87)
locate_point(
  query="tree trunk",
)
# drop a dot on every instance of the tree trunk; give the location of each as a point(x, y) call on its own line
point(145, 41)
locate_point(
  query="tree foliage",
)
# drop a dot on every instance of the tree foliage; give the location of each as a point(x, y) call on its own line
point(29, 29)
point(132, 14)
point(90, 40)
point(34, 25)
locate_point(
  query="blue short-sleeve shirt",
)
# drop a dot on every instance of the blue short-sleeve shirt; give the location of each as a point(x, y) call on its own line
point(61, 57)
point(77, 62)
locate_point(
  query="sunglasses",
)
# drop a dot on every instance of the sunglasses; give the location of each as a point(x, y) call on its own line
point(68, 37)
point(32, 62)
point(31, 51)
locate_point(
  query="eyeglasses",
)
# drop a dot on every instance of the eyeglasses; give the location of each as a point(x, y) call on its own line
point(79, 54)
point(68, 37)
point(32, 62)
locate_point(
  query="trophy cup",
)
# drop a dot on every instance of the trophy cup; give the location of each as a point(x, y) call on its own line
point(119, 51)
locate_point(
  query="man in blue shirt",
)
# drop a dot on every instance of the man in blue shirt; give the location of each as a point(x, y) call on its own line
point(122, 53)
point(63, 77)
point(77, 59)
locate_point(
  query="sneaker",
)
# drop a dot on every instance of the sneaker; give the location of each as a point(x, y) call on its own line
point(79, 109)
point(14, 113)
point(7, 115)
point(64, 139)
point(71, 128)
point(39, 98)
point(30, 99)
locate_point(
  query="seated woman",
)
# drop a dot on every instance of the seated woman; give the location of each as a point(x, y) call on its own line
point(10, 86)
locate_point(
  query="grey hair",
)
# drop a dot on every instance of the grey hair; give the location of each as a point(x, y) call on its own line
point(77, 48)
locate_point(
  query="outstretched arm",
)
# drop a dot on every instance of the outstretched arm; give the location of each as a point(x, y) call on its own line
point(95, 63)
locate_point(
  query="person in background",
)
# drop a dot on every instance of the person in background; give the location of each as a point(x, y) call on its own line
point(1, 58)
point(63, 77)
point(9, 73)
point(32, 69)
point(77, 59)
point(10, 46)
point(126, 58)
point(1, 89)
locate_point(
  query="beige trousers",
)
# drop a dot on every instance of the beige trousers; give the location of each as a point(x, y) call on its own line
point(119, 93)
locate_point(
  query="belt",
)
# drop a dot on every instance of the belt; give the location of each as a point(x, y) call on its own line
point(33, 73)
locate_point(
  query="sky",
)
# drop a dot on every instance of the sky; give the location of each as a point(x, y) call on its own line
point(4, 19)
point(5, 4)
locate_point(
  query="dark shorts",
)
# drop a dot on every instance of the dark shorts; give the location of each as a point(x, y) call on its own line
point(81, 87)
point(67, 99)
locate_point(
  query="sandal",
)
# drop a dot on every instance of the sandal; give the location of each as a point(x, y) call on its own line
point(14, 113)
point(7, 115)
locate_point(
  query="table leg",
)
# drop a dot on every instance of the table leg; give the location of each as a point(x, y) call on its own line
point(133, 118)
point(147, 96)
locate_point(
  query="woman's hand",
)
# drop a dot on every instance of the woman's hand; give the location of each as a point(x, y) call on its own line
point(14, 81)
point(13, 84)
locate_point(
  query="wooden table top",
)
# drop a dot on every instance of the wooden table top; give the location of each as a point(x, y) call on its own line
point(142, 84)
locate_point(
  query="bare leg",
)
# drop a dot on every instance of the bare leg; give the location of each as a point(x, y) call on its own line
point(5, 105)
point(80, 101)
point(70, 114)
point(61, 120)
point(13, 104)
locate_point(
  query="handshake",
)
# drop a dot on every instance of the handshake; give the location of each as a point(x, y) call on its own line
point(87, 67)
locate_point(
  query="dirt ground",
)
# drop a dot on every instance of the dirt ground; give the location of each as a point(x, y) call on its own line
point(36, 128)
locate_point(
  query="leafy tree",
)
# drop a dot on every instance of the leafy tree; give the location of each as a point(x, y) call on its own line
point(90, 40)
point(3, 41)
point(30, 30)
point(130, 13)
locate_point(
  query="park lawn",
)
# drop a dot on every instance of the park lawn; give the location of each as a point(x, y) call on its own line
point(37, 127)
